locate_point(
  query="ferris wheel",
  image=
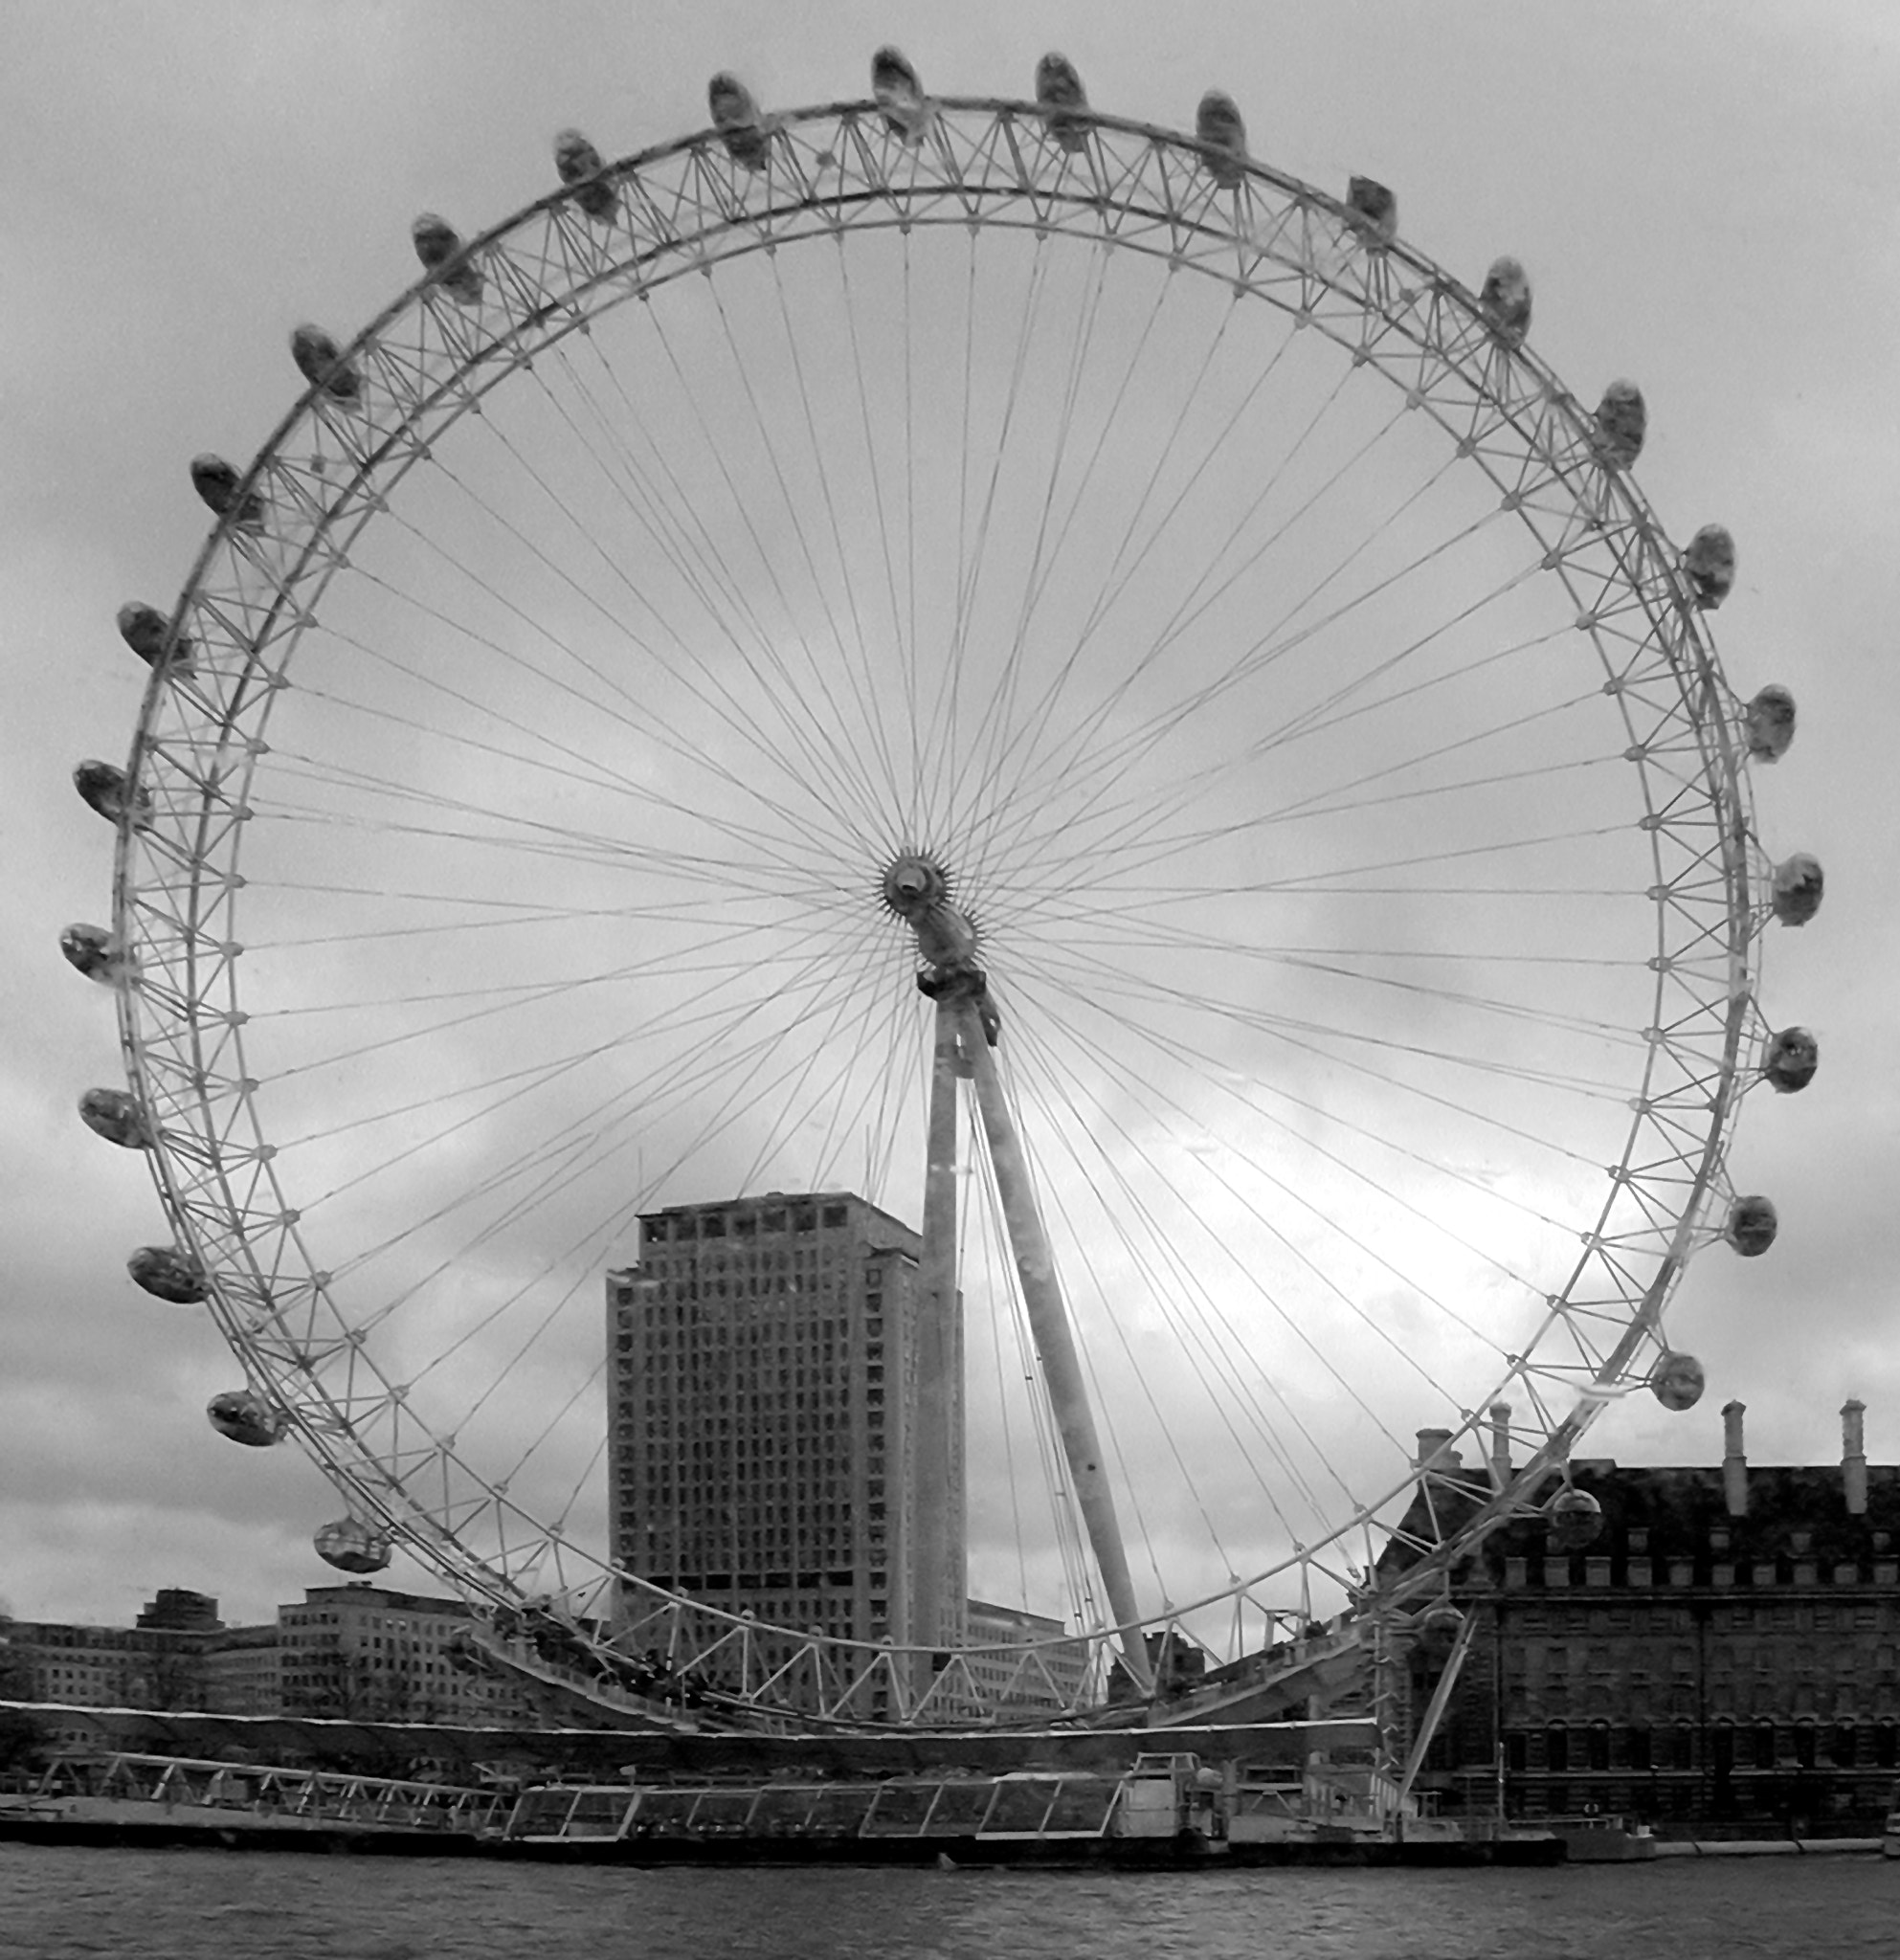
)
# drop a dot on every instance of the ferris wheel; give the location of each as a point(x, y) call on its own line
point(1015, 663)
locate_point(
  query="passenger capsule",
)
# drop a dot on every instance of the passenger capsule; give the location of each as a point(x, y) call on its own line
point(899, 94)
point(1768, 723)
point(1505, 300)
point(439, 246)
point(1218, 128)
point(1622, 420)
point(1797, 892)
point(1575, 1519)
point(92, 951)
point(104, 788)
point(1751, 1226)
point(321, 363)
point(735, 115)
point(582, 169)
point(115, 1115)
point(1677, 1381)
point(1063, 102)
point(168, 1274)
point(216, 481)
point(1790, 1059)
point(1373, 209)
point(351, 1545)
point(246, 1418)
point(1709, 564)
point(144, 629)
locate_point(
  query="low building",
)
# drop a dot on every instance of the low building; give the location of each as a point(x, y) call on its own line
point(1032, 1665)
point(355, 1651)
point(1725, 1653)
point(243, 1674)
point(171, 1658)
point(368, 1652)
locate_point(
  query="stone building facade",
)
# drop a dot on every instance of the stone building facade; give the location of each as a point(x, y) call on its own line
point(173, 1656)
point(355, 1651)
point(1023, 1660)
point(1723, 1654)
point(369, 1652)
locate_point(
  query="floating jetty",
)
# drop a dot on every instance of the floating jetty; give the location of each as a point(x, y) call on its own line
point(1166, 1811)
point(1288, 1793)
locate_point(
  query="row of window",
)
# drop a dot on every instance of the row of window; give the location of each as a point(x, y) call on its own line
point(1723, 1573)
point(1562, 1746)
point(683, 1227)
point(1744, 1615)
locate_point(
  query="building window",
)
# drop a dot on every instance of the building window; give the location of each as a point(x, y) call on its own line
point(1764, 1744)
point(1804, 1744)
point(1682, 1747)
point(1842, 1745)
point(1638, 1747)
point(1556, 1749)
point(1599, 1744)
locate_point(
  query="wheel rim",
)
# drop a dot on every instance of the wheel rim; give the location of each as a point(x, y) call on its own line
point(207, 753)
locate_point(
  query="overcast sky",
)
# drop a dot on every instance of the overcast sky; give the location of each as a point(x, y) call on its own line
point(1705, 199)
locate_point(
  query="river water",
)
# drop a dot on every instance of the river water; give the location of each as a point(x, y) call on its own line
point(59, 1904)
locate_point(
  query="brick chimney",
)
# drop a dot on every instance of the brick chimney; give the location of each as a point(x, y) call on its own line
point(1434, 1450)
point(1853, 1456)
point(1734, 1465)
point(1500, 1414)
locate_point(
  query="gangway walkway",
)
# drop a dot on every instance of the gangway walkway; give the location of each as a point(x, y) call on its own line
point(122, 1786)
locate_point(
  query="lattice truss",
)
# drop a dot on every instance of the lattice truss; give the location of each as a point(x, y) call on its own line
point(397, 392)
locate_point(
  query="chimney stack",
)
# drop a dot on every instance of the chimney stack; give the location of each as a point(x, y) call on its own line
point(1434, 1450)
point(1854, 1456)
point(1500, 1414)
point(1734, 1465)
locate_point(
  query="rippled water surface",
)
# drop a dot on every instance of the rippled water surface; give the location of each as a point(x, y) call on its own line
point(171, 1904)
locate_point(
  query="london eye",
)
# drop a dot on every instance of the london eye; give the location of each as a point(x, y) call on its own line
point(1014, 663)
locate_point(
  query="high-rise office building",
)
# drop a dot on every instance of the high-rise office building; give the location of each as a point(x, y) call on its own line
point(765, 1360)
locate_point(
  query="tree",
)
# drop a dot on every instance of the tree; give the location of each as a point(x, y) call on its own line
point(24, 1737)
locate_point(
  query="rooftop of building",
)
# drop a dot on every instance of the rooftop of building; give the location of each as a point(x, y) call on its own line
point(360, 1592)
point(1790, 1510)
point(1733, 1510)
point(778, 1211)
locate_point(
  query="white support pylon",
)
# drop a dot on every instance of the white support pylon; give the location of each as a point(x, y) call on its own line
point(1054, 1346)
